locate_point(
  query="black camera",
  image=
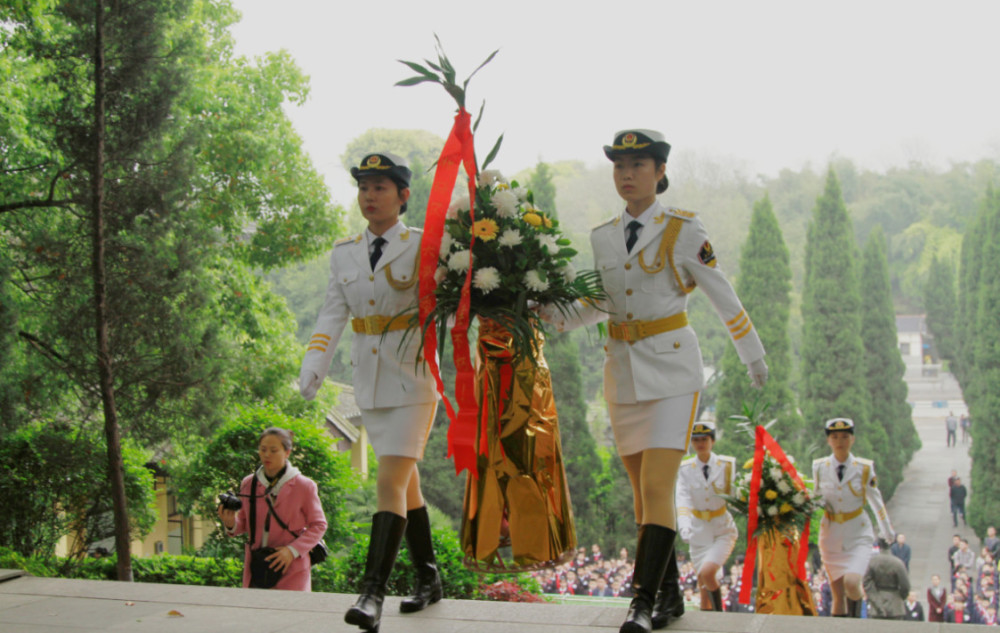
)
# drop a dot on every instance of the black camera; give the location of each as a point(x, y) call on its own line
point(230, 501)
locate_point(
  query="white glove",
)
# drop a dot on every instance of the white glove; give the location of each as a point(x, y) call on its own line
point(309, 383)
point(757, 370)
point(686, 534)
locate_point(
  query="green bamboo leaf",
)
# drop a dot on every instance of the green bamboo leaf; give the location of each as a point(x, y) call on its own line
point(488, 60)
point(475, 126)
point(493, 152)
point(433, 65)
point(413, 81)
point(418, 68)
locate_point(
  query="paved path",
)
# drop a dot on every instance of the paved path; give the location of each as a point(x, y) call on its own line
point(920, 508)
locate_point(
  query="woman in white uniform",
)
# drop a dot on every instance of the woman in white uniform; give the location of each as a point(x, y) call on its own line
point(703, 520)
point(372, 283)
point(650, 257)
point(846, 483)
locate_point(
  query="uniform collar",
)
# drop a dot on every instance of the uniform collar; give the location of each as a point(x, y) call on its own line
point(711, 460)
point(388, 236)
point(644, 218)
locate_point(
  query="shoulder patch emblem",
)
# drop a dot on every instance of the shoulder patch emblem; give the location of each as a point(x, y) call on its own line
point(342, 241)
point(707, 255)
point(612, 221)
point(404, 236)
point(682, 213)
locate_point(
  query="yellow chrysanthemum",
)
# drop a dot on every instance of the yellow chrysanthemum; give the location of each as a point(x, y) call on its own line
point(785, 508)
point(748, 464)
point(548, 222)
point(502, 186)
point(485, 229)
point(533, 219)
point(771, 495)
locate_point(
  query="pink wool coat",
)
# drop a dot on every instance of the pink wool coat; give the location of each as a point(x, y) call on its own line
point(299, 507)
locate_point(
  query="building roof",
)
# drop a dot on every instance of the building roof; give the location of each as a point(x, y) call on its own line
point(911, 323)
point(344, 419)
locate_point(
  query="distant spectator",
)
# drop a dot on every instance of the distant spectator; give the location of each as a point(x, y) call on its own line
point(951, 478)
point(595, 553)
point(992, 543)
point(914, 610)
point(955, 540)
point(600, 587)
point(964, 558)
point(901, 550)
point(937, 600)
point(887, 584)
point(966, 423)
point(951, 424)
point(957, 495)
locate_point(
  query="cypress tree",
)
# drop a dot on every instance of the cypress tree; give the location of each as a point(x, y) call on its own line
point(968, 296)
point(984, 405)
point(940, 305)
point(833, 363)
point(763, 286)
point(885, 370)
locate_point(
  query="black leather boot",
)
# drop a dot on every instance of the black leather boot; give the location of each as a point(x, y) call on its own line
point(716, 597)
point(656, 543)
point(669, 602)
point(853, 608)
point(418, 540)
point(387, 534)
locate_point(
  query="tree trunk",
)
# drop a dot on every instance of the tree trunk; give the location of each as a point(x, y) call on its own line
point(104, 369)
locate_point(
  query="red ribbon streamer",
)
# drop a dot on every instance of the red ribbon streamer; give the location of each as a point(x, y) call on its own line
point(767, 444)
point(458, 150)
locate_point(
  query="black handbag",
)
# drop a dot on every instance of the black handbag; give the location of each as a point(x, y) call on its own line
point(261, 574)
point(317, 554)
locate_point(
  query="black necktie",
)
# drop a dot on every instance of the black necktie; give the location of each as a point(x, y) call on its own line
point(633, 228)
point(840, 472)
point(377, 253)
point(704, 471)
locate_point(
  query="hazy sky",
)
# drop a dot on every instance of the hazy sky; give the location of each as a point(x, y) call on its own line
point(765, 84)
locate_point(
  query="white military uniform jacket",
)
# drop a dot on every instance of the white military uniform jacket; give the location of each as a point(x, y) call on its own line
point(384, 375)
point(845, 524)
point(700, 510)
point(640, 286)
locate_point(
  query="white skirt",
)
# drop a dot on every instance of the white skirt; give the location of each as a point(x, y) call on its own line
point(399, 431)
point(663, 423)
point(715, 551)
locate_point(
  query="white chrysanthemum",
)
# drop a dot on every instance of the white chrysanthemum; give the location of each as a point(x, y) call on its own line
point(462, 204)
point(510, 238)
point(799, 499)
point(772, 511)
point(506, 203)
point(446, 243)
point(534, 281)
point(777, 474)
point(440, 274)
point(490, 177)
point(486, 279)
point(783, 487)
point(521, 193)
point(568, 272)
point(459, 261)
point(548, 242)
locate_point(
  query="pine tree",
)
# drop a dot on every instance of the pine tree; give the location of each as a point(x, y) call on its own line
point(940, 305)
point(885, 369)
point(543, 189)
point(833, 363)
point(984, 405)
point(763, 286)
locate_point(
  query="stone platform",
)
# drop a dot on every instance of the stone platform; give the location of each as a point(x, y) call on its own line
point(52, 605)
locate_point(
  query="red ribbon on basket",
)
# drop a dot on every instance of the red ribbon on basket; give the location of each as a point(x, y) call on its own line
point(766, 444)
point(458, 150)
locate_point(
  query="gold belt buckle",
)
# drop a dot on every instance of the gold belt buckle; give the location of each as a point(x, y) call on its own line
point(373, 325)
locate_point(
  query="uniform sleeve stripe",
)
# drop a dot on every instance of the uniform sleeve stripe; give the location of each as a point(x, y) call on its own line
point(736, 318)
point(738, 335)
point(740, 325)
point(321, 336)
point(316, 347)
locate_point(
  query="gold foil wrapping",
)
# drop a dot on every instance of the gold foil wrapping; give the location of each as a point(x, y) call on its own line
point(519, 498)
point(779, 590)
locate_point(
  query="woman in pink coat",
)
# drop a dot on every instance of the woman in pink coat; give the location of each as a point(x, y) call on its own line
point(296, 503)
